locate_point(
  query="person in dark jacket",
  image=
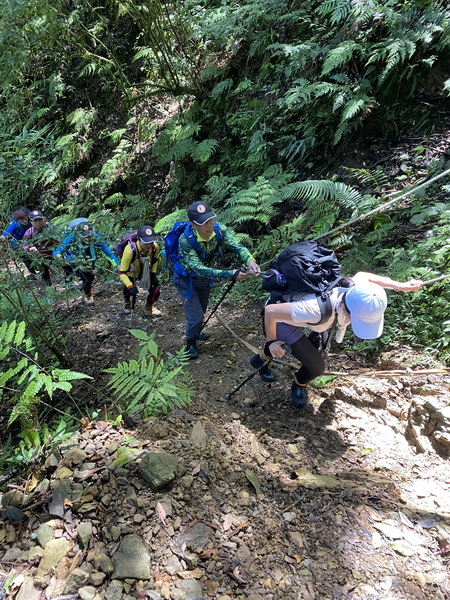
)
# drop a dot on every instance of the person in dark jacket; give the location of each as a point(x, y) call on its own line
point(81, 248)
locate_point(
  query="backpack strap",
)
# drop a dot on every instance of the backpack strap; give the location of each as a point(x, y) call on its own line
point(326, 308)
point(134, 250)
point(193, 240)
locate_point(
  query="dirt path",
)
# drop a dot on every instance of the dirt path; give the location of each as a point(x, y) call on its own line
point(348, 499)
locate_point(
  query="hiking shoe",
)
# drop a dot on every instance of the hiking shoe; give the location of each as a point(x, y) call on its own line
point(152, 311)
point(30, 277)
point(202, 337)
point(88, 300)
point(299, 395)
point(127, 308)
point(191, 349)
point(266, 374)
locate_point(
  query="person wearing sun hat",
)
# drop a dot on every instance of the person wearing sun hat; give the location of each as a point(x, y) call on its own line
point(140, 263)
point(362, 306)
point(38, 242)
point(81, 248)
point(200, 248)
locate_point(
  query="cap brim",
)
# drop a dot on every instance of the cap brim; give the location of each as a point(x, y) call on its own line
point(147, 240)
point(202, 219)
point(367, 331)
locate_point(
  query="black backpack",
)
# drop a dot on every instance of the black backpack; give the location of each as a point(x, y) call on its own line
point(304, 268)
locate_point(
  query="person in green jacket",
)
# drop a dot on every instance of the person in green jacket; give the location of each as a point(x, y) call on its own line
point(199, 247)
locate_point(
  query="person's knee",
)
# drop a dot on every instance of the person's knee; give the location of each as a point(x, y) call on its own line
point(317, 369)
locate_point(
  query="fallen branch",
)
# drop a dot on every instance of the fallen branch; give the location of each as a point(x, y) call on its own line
point(393, 373)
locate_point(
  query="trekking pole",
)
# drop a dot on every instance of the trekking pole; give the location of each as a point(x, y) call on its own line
point(440, 278)
point(223, 296)
point(265, 364)
point(133, 302)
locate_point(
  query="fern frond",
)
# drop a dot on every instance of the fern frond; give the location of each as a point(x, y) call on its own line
point(340, 56)
point(145, 384)
point(254, 204)
point(392, 54)
point(336, 10)
point(67, 375)
point(322, 190)
point(203, 151)
point(352, 108)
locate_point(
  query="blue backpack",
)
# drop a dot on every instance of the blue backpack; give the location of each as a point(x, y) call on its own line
point(171, 245)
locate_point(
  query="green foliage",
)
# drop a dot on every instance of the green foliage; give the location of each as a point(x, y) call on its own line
point(23, 380)
point(34, 443)
point(150, 385)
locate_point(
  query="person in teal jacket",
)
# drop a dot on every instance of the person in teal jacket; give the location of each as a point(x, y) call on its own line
point(199, 260)
point(81, 248)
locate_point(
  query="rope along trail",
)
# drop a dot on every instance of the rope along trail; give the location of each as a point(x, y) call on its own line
point(296, 365)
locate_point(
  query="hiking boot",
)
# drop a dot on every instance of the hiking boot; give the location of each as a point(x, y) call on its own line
point(88, 300)
point(191, 349)
point(152, 311)
point(299, 395)
point(266, 374)
point(127, 308)
point(202, 337)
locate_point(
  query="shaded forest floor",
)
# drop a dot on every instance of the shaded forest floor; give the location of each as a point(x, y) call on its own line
point(347, 499)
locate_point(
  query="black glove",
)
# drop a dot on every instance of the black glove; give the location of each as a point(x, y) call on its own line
point(266, 352)
point(133, 291)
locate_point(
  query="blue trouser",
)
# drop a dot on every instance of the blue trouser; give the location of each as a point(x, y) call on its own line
point(194, 292)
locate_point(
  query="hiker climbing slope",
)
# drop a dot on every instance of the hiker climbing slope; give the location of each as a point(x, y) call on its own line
point(17, 227)
point(81, 248)
point(139, 262)
point(194, 248)
point(361, 305)
point(38, 245)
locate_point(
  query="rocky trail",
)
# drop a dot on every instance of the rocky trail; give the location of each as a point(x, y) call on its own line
point(248, 499)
